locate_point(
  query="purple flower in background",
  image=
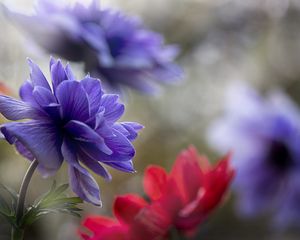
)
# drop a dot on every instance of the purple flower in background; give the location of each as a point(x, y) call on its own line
point(114, 47)
point(264, 135)
point(73, 121)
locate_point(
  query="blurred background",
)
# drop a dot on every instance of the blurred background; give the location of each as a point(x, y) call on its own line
point(222, 41)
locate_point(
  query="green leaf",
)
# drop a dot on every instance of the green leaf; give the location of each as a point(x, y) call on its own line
point(54, 201)
point(4, 207)
point(11, 191)
point(12, 194)
point(7, 204)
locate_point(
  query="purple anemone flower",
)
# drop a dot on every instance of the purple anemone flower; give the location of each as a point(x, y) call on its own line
point(73, 121)
point(264, 135)
point(114, 47)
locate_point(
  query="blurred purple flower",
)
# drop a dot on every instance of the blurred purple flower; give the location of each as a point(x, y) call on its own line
point(72, 121)
point(116, 48)
point(264, 135)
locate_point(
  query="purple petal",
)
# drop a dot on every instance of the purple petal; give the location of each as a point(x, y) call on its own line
point(120, 146)
point(118, 143)
point(69, 73)
point(128, 129)
point(46, 172)
point(47, 6)
point(167, 73)
point(113, 109)
point(14, 109)
point(36, 76)
point(95, 37)
point(93, 88)
point(73, 100)
point(26, 93)
point(95, 166)
point(43, 96)
point(137, 79)
point(82, 132)
point(58, 74)
point(53, 111)
point(23, 150)
point(102, 127)
point(40, 138)
point(122, 166)
point(52, 61)
point(82, 183)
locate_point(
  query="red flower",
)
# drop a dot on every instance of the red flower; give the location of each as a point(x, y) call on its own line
point(4, 89)
point(181, 199)
point(135, 219)
point(191, 190)
point(103, 228)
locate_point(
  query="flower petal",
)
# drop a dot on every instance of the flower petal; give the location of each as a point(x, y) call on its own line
point(153, 221)
point(128, 129)
point(73, 100)
point(36, 76)
point(40, 138)
point(14, 109)
point(26, 93)
point(58, 74)
point(97, 223)
point(95, 166)
point(23, 150)
point(83, 132)
point(82, 183)
point(113, 109)
point(69, 73)
point(167, 73)
point(155, 181)
point(43, 96)
point(122, 149)
point(187, 173)
point(126, 207)
point(122, 166)
point(93, 88)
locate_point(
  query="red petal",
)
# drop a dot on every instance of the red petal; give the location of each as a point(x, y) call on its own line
point(98, 223)
point(187, 174)
point(152, 222)
point(216, 183)
point(84, 236)
point(126, 207)
point(115, 233)
point(154, 181)
point(202, 160)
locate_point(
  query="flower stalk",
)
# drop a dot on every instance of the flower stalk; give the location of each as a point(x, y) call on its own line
point(17, 232)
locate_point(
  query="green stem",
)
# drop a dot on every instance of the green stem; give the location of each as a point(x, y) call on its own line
point(18, 232)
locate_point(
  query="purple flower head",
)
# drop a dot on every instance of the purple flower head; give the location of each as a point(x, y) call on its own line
point(264, 135)
point(112, 46)
point(73, 121)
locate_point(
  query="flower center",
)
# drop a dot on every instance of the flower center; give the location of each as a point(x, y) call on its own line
point(116, 44)
point(280, 156)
